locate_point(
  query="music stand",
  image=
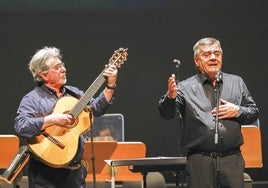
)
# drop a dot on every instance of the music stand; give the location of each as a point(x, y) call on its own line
point(114, 150)
point(252, 147)
point(9, 149)
point(9, 146)
point(103, 150)
point(150, 164)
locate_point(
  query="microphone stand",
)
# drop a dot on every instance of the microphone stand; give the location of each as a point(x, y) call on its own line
point(177, 65)
point(216, 141)
point(92, 147)
point(180, 176)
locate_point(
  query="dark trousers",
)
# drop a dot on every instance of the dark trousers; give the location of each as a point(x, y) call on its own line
point(42, 176)
point(202, 171)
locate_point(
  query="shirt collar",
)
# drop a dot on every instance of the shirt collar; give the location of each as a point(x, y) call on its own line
point(204, 79)
point(51, 91)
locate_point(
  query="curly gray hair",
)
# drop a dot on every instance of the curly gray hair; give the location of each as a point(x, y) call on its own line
point(38, 62)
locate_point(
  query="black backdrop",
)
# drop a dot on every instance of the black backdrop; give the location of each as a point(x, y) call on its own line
point(155, 32)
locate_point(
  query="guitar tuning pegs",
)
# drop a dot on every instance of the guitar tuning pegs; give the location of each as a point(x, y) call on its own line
point(121, 49)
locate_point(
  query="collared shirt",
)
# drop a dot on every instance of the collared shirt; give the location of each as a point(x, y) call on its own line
point(40, 102)
point(195, 101)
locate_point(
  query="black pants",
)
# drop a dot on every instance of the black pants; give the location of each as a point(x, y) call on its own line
point(202, 171)
point(42, 176)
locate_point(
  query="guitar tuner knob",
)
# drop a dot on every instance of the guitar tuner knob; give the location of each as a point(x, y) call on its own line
point(121, 49)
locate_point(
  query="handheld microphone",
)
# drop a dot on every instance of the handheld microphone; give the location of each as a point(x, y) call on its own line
point(219, 76)
point(177, 66)
point(177, 63)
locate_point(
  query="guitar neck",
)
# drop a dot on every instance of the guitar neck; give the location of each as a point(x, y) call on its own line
point(117, 59)
point(88, 95)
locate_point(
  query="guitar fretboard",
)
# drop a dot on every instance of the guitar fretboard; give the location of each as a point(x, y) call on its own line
point(89, 94)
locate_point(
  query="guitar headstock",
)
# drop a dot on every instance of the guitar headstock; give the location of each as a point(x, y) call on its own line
point(119, 57)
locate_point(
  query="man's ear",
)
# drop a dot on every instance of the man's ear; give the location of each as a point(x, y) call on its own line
point(44, 75)
point(196, 61)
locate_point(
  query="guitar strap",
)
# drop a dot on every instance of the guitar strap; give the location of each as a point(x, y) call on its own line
point(75, 95)
point(72, 93)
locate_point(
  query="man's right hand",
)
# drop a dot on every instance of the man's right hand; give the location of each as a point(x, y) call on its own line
point(62, 120)
point(172, 87)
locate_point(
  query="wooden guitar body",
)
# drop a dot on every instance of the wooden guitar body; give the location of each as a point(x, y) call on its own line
point(50, 153)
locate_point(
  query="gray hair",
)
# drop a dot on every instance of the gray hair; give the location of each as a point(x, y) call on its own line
point(38, 62)
point(206, 41)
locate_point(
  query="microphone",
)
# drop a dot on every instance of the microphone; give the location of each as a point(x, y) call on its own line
point(219, 76)
point(177, 63)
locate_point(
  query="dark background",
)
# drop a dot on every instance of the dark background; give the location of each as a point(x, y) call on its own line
point(155, 32)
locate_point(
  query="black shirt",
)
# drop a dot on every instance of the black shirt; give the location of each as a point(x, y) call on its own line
point(195, 100)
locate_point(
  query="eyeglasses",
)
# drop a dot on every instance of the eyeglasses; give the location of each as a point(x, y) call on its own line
point(59, 66)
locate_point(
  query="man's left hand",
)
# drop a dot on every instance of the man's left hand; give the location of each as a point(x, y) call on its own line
point(226, 110)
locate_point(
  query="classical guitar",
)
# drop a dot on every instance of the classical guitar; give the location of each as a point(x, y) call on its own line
point(57, 146)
